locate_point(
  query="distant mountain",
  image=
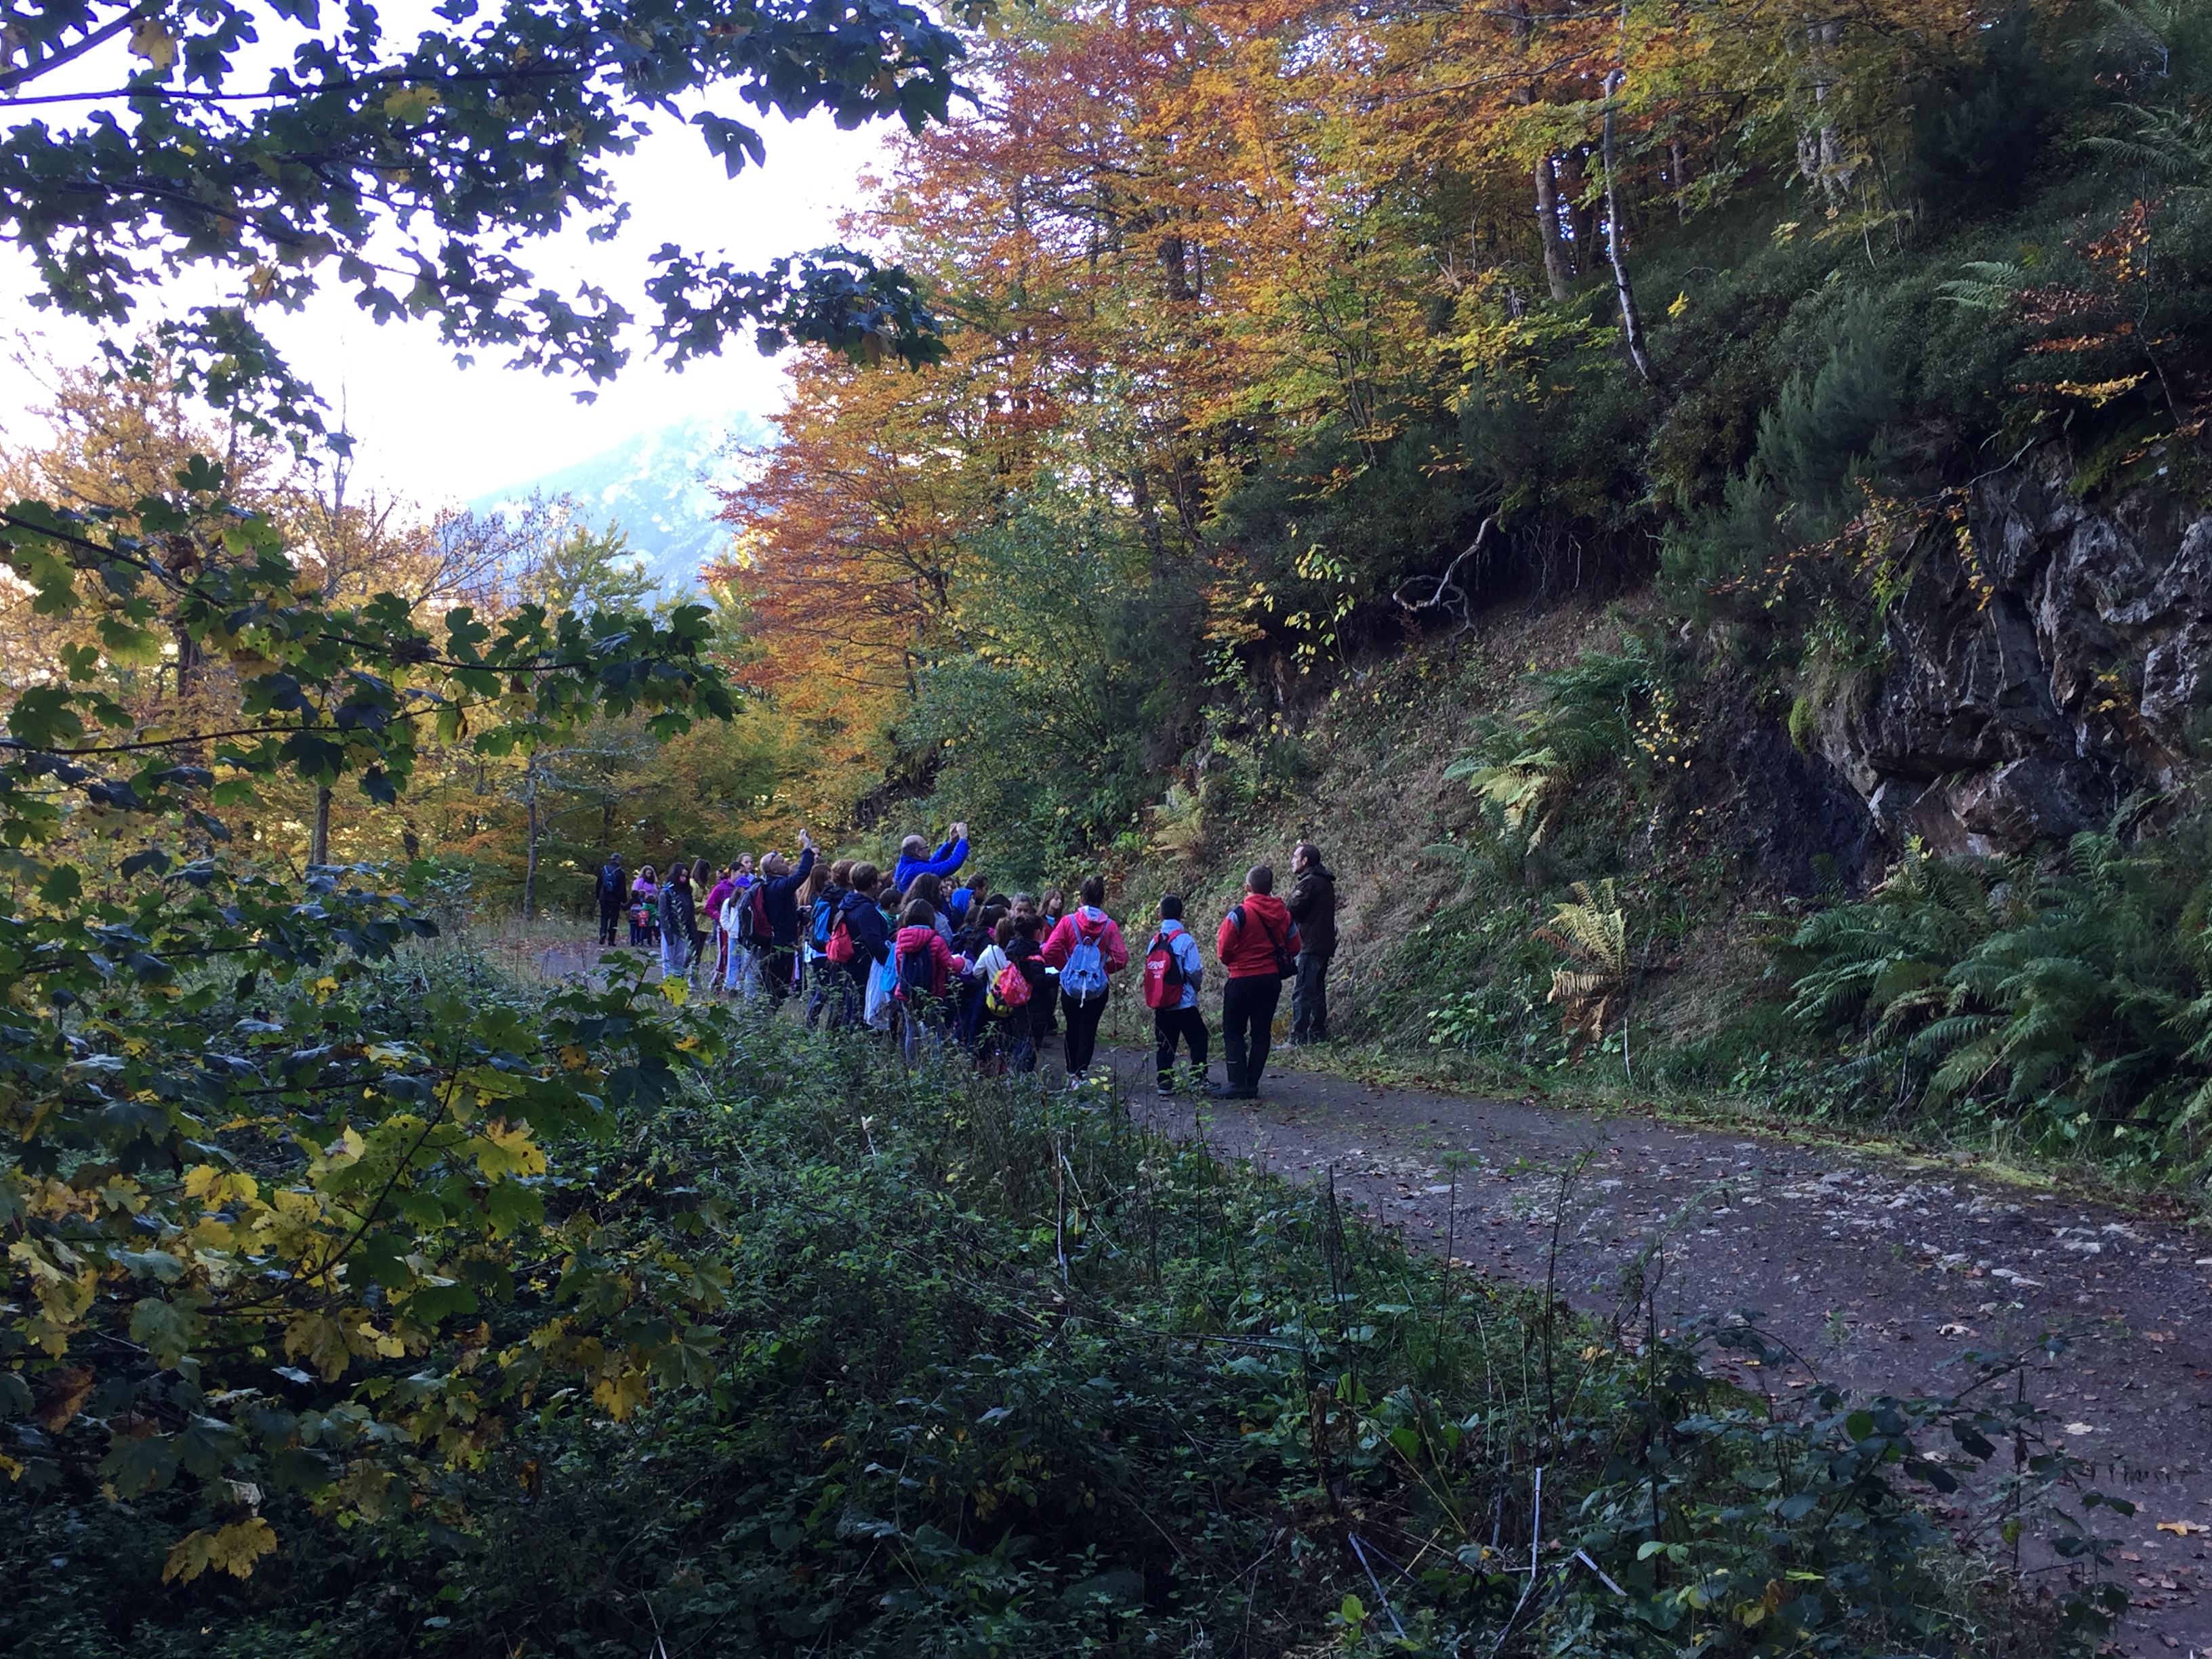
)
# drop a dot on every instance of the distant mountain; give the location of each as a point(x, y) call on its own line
point(658, 486)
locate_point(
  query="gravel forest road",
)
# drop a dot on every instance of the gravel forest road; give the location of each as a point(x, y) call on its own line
point(1879, 1269)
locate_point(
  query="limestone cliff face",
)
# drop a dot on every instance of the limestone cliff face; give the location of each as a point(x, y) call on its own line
point(2025, 695)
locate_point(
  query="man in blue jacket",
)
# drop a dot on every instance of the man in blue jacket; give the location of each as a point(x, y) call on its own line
point(916, 859)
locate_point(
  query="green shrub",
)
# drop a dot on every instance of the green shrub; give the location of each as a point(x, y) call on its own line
point(2070, 999)
point(993, 1374)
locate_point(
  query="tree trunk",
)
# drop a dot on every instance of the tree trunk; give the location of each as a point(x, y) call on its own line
point(1174, 268)
point(319, 838)
point(1820, 152)
point(530, 867)
point(1556, 275)
point(1632, 323)
point(1573, 172)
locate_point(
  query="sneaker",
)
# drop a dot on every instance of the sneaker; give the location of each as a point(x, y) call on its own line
point(1167, 1091)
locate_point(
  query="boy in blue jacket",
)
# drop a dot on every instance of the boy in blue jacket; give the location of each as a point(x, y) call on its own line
point(1180, 1021)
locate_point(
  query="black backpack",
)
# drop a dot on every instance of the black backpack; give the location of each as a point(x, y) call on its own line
point(917, 972)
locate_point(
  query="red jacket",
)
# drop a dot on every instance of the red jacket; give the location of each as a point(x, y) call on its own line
point(942, 963)
point(1248, 952)
point(1093, 925)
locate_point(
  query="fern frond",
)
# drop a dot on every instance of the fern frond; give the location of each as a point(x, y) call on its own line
point(1594, 928)
point(1988, 285)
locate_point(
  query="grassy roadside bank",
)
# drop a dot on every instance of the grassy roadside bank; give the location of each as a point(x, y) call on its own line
point(993, 1373)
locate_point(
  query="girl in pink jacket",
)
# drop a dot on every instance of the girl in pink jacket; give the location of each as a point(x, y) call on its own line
point(926, 964)
point(1087, 946)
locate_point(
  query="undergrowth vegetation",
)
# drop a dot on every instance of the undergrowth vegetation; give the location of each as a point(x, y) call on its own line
point(989, 1373)
point(2067, 996)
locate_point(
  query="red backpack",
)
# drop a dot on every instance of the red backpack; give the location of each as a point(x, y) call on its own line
point(1163, 974)
point(839, 949)
point(1010, 991)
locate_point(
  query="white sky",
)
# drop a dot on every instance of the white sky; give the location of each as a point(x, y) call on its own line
point(433, 432)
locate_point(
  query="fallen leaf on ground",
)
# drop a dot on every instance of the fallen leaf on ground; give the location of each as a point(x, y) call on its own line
point(2080, 1428)
point(2182, 1529)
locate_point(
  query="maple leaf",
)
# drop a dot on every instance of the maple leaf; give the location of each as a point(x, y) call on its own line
point(232, 1549)
point(505, 1150)
point(321, 1340)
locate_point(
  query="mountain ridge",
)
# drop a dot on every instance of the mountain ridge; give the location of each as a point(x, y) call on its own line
point(660, 486)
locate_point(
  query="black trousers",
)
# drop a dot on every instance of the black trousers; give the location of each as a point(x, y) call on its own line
point(1174, 1025)
point(1309, 999)
point(1247, 1024)
point(1082, 1038)
point(775, 963)
point(608, 914)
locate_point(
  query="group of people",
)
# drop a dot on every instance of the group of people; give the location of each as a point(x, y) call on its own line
point(734, 928)
point(950, 960)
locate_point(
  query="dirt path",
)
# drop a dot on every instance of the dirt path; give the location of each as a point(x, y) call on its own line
point(1881, 1270)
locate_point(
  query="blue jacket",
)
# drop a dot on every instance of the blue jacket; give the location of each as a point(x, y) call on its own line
point(872, 938)
point(779, 894)
point(1184, 948)
point(943, 862)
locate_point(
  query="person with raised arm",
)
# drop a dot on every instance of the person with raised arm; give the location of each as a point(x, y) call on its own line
point(915, 858)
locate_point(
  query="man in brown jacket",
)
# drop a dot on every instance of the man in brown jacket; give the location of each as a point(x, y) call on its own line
point(1313, 907)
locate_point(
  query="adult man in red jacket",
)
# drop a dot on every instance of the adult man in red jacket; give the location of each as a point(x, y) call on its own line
point(1257, 942)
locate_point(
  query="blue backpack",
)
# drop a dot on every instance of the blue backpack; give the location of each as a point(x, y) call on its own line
point(820, 926)
point(1084, 976)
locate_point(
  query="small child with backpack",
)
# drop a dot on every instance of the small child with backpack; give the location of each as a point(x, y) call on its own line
point(823, 977)
point(1087, 946)
point(1173, 972)
point(976, 938)
point(1021, 995)
point(927, 966)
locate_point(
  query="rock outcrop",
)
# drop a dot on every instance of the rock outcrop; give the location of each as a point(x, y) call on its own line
point(2035, 681)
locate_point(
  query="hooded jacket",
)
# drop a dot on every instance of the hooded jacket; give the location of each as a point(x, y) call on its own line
point(870, 936)
point(718, 896)
point(1184, 949)
point(1250, 933)
point(1087, 921)
point(942, 963)
point(1313, 907)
